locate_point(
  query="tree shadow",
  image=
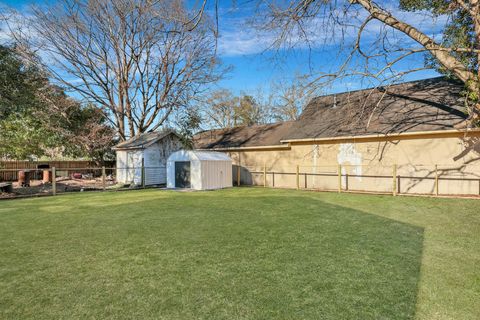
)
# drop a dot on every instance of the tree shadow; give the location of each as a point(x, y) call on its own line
point(246, 177)
point(287, 257)
point(340, 263)
point(472, 146)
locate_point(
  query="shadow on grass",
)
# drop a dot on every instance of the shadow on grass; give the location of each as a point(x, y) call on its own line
point(251, 257)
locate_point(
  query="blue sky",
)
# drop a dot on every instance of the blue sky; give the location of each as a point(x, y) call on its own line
point(254, 66)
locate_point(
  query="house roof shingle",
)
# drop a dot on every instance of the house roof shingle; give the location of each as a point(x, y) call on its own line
point(256, 135)
point(424, 105)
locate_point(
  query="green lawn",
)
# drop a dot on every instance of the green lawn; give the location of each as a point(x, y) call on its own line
point(244, 253)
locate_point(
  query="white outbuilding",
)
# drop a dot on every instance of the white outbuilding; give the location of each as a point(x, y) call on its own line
point(199, 170)
point(143, 159)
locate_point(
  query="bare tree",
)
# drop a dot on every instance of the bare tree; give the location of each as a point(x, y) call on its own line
point(219, 109)
point(393, 39)
point(222, 109)
point(289, 100)
point(137, 59)
point(250, 110)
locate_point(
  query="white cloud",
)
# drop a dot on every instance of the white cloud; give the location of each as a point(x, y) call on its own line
point(243, 41)
point(237, 37)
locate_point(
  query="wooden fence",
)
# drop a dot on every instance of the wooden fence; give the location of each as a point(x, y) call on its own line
point(463, 180)
point(12, 167)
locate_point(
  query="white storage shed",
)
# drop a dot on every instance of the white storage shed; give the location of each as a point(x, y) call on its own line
point(149, 150)
point(199, 170)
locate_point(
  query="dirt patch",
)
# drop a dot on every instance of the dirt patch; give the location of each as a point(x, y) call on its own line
point(37, 187)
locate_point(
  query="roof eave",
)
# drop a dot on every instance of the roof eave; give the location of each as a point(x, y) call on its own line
point(252, 148)
point(128, 148)
point(386, 135)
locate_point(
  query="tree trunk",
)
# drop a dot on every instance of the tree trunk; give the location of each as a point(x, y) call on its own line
point(476, 22)
point(448, 61)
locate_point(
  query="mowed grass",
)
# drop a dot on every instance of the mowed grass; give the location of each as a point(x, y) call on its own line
point(244, 253)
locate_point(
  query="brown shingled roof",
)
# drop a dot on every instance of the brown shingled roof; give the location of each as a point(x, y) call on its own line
point(257, 135)
point(424, 105)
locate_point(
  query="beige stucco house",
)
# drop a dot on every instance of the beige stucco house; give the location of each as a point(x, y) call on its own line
point(408, 138)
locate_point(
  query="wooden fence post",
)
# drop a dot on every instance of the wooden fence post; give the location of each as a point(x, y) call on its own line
point(238, 175)
point(436, 180)
point(394, 180)
point(399, 188)
point(54, 181)
point(264, 175)
point(103, 177)
point(298, 177)
point(339, 178)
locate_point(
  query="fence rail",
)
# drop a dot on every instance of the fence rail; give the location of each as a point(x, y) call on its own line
point(437, 180)
point(9, 169)
point(52, 181)
point(463, 180)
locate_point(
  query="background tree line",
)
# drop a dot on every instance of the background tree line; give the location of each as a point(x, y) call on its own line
point(282, 102)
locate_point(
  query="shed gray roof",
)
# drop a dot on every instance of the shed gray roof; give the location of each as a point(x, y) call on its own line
point(144, 140)
point(425, 105)
point(184, 155)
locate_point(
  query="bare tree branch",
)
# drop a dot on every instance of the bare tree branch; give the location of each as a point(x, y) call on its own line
point(139, 60)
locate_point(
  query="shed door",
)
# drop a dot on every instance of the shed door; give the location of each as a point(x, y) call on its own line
point(134, 167)
point(182, 174)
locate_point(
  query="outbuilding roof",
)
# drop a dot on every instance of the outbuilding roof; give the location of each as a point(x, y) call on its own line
point(426, 105)
point(144, 140)
point(185, 155)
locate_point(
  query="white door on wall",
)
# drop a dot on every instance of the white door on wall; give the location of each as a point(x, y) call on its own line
point(134, 165)
point(121, 166)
